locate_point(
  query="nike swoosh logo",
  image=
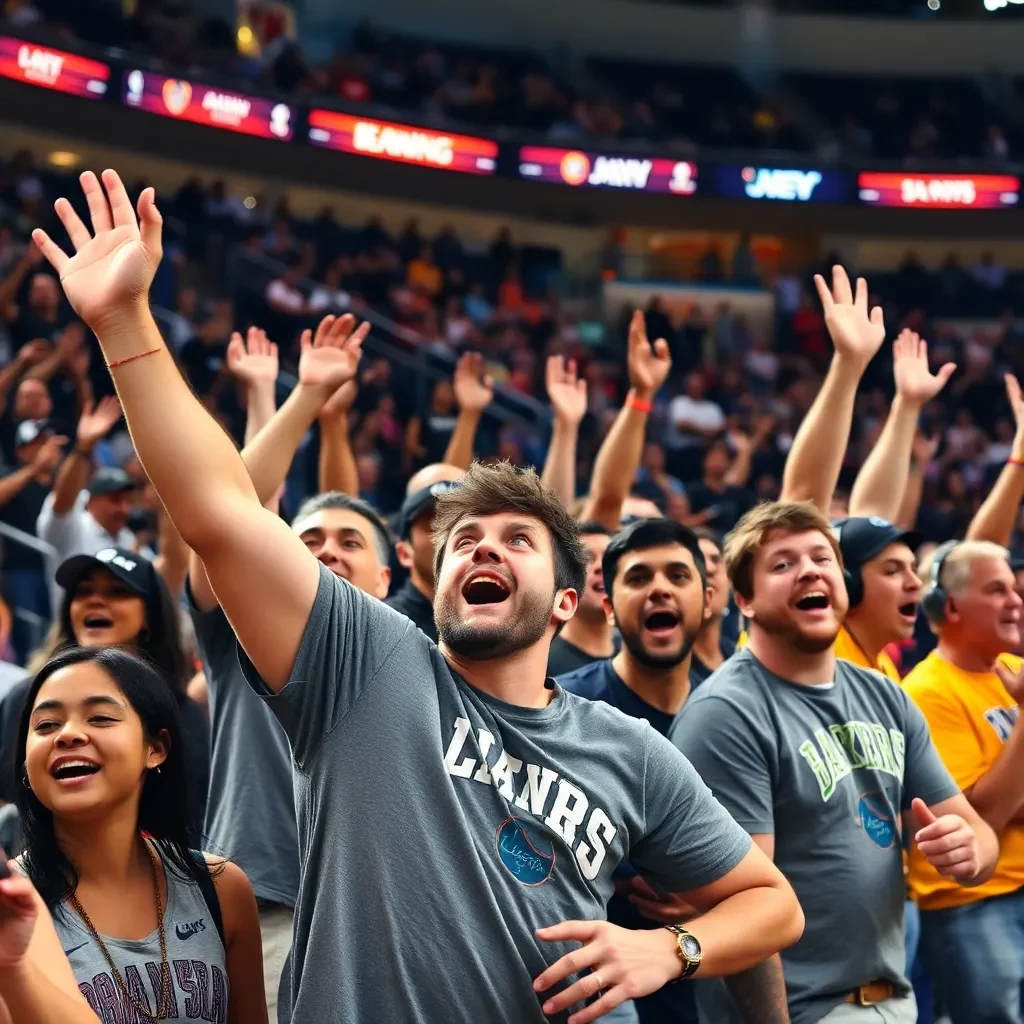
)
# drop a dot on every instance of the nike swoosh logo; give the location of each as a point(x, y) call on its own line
point(68, 952)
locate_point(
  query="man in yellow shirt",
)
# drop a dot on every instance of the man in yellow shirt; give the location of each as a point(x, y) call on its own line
point(883, 588)
point(970, 693)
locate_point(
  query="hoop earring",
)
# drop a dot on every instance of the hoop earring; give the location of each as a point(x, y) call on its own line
point(24, 779)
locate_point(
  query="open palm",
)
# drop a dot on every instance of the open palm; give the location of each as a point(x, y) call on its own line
point(474, 388)
point(915, 383)
point(114, 265)
point(332, 357)
point(566, 391)
point(254, 360)
point(95, 422)
point(856, 331)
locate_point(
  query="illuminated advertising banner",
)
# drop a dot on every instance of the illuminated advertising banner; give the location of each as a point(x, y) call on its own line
point(938, 191)
point(782, 184)
point(202, 104)
point(607, 170)
point(404, 143)
point(53, 69)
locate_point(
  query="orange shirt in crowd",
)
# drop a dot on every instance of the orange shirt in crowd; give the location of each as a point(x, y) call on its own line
point(970, 716)
point(427, 276)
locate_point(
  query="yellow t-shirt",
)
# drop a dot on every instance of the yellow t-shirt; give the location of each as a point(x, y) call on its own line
point(970, 716)
point(847, 649)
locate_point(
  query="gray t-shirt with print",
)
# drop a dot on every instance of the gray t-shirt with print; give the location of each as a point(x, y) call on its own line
point(826, 771)
point(440, 827)
point(250, 812)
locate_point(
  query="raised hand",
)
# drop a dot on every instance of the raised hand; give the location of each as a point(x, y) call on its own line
point(567, 392)
point(96, 421)
point(19, 910)
point(915, 383)
point(340, 402)
point(1016, 401)
point(32, 352)
point(332, 357)
point(113, 267)
point(856, 333)
point(623, 964)
point(71, 342)
point(49, 454)
point(948, 843)
point(648, 364)
point(925, 448)
point(253, 361)
point(474, 390)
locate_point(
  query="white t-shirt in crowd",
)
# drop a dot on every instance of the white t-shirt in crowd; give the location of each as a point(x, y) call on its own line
point(704, 414)
point(327, 298)
point(76, 533)
point(283, 296)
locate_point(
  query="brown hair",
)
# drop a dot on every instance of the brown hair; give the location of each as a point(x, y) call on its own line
point(745, 539)
point(491, 490)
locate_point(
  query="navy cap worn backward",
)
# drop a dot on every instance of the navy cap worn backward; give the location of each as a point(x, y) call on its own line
point(861, 538)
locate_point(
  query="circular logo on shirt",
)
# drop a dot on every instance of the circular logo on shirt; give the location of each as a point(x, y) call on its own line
point(530, 857)
point(876, 822)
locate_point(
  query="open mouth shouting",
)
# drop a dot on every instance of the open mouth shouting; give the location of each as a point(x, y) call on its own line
point(97, 621)
point(486, 587)
point(73, 771)
point(814, 601)
point(908, 611)
point(662, 624)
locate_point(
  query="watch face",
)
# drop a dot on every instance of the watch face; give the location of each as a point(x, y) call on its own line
point(691, 947)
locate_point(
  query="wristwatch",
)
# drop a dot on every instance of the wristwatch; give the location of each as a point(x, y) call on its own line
point(687, 949)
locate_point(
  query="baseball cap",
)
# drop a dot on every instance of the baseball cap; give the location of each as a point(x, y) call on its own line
point(862, 537)
point(28, 430)
point(419, 502)
point(111, 480)
point(134, 571)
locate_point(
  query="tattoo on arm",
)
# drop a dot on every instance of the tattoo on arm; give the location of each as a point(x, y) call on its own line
point(760, 993)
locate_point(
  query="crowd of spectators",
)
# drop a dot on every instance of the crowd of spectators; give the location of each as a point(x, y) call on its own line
point(720, 430)
point(570, 98)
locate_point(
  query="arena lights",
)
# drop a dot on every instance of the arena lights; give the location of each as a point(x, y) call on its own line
point(938, 191)
point(403, 143)
point(53, 69)
point(605, 170)
point(995, 5)
point(217, 108)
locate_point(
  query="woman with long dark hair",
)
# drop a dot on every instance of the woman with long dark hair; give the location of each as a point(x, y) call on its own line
point(151, 927)
point(117, 597)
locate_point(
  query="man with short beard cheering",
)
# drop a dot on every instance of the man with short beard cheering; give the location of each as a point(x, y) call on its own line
point(459, 816)
point(825, 764)
point(656, 594)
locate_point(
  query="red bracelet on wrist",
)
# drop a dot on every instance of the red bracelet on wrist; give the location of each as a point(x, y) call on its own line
point(1015, 462)
point(640, 404)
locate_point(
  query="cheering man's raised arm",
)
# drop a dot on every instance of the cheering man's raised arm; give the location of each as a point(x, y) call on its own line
point(264, 577)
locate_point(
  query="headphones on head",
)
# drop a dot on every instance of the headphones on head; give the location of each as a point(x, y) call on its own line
point(852, 577)
point(935, 597)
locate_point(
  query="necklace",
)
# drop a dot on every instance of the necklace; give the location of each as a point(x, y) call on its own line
point(165, 974)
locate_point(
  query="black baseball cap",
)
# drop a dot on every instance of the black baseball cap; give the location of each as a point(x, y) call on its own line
point(135, 571)
point(418, 503)
point(111, 480)
point(862, 537)
point(28, 430)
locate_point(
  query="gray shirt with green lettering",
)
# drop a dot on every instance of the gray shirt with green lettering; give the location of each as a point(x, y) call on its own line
point(439, 828)
point(826, 771)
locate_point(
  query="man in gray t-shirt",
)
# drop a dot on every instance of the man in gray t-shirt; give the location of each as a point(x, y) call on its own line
point(827, 771)
point(823, 772)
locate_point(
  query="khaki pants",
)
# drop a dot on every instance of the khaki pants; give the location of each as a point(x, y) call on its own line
point(276, 931)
